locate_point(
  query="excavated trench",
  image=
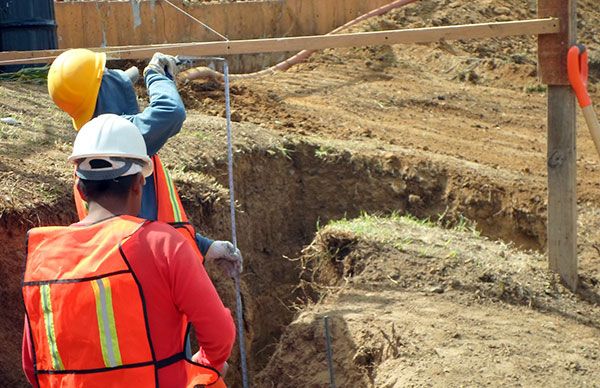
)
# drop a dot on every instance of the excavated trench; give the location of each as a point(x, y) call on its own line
point(283, 194)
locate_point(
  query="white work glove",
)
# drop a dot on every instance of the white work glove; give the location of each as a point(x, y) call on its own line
point(226, 256)
point(163, 64)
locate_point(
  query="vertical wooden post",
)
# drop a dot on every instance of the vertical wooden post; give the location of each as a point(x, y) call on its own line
point(562, 156)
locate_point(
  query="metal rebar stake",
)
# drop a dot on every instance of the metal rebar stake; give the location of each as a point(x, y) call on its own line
point(329, 352)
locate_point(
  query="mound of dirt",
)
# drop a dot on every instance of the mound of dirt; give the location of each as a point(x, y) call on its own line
point(414, 304)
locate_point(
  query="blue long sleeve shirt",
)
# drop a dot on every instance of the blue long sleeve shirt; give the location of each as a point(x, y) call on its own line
point(162, 119)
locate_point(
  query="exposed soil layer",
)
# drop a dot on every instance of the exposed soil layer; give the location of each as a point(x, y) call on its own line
point(288, 184)
point(412, 304)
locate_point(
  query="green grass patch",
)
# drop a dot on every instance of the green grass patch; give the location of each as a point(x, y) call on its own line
point(391, 228)
point(34, 75)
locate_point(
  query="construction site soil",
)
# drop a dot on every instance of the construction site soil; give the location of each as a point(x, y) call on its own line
point(452, 132)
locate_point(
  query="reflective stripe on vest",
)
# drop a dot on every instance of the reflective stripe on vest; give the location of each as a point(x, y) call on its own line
point(168, 203)
point(174, 207)
point(86, 309)
point(57, 363)
point(106, 323)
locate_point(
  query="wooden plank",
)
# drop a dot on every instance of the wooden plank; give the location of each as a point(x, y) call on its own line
point(552, 48)
point(418, 35)
point(562, 155)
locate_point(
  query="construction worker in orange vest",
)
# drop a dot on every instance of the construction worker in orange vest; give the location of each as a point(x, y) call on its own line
point(108, 299)
point(81, 85)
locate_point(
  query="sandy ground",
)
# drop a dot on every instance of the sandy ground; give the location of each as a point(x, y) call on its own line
point(411, 304)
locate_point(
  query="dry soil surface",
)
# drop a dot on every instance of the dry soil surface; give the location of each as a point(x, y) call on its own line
point(411, 304)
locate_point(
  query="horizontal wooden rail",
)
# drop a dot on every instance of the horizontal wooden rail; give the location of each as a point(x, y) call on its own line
point(417, 35)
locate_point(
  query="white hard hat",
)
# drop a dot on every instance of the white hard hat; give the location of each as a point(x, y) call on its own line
point(109, 147)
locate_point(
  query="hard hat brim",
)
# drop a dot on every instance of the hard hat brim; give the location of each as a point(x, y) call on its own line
point(147, 169)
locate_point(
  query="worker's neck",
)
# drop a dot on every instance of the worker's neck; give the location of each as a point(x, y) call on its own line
point(107, 208)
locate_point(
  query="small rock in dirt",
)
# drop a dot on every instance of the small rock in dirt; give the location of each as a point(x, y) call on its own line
point(487, 278)
point(235, 116)
point(414, 200)
point(273, 96)
point(456, 284)
point(502, 11)
point(365, 356)
point(439, 21)
point(9, 121)
point(439, 289)
point(473, 76)
point(519, 59)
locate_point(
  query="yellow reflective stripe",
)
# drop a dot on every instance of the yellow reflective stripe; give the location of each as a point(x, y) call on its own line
point(111, 323)
point(57, 363)
point(172, 197)
point(109, 342)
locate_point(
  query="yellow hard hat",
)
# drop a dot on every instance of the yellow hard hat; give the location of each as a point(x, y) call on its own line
point(74, 82)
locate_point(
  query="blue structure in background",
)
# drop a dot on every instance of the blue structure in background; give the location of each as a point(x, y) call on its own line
point(26, 25)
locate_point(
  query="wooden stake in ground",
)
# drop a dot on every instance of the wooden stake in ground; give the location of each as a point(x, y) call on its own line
point(562, 155)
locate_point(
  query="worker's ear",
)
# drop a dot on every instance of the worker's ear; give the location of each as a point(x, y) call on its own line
point(80, 190)
point(138, 184)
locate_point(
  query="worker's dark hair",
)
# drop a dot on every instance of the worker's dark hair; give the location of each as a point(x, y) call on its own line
point(115, 188)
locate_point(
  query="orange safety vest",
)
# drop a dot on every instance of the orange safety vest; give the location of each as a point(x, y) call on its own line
point(170, 209)
point(86, 310)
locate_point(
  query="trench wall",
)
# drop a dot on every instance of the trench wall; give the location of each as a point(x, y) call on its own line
point(283, 197)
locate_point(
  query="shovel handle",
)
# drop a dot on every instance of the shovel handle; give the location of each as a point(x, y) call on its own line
point(594, 126)
point(578, 70)
point(577, 67)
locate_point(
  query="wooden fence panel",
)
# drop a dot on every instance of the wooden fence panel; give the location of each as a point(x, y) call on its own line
point(110, 23)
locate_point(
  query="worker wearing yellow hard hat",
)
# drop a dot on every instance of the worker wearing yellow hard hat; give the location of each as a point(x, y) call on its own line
point(74, 82)
point(81, 85)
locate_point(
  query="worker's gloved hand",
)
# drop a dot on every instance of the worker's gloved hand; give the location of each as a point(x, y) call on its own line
point(226, 256)
point(163, 64)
